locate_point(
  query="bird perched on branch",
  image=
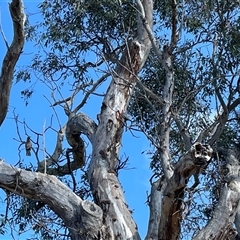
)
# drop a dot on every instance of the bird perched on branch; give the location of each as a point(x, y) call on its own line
point(28, 146)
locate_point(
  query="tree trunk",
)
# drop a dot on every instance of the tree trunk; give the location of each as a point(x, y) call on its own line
point(104, 182)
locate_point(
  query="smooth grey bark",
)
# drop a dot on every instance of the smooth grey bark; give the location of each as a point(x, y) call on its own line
point(13, 52)
point(155, 204)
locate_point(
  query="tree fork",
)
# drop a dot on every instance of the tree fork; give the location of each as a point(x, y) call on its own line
point(195, 159)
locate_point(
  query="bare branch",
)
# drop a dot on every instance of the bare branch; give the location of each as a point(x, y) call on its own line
point(95, 85)
point(190, 94)
point(150, 93)
point(215, 129)
point(148, 26)
point(18, 17)
point(81, 123)
point(61, 101)
point(76, 125)
point(58, 196)
point(56, 154)
point(221, 122)
point(61, 171)
point(234, 104)
point(220, 98)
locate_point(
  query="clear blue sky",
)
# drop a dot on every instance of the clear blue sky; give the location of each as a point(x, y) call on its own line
point(135, 182)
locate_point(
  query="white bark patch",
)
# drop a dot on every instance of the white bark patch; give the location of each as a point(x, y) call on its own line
point(119, 214)
point(115, 206)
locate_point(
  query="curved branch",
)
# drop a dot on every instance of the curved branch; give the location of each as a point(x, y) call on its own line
point(76, 125)
point(222, 119)
point(18, 17)
point(61, 171)
point(81, 123)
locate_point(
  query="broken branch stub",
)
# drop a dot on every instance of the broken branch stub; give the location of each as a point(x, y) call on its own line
point(202, 153)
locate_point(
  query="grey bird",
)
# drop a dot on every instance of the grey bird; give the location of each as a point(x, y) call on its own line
point(28, 146)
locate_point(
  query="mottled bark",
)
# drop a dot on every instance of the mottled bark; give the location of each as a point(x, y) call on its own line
point(103, 179)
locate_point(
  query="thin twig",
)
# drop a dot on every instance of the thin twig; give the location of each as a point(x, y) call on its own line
point(43, 146)
point(95, 85)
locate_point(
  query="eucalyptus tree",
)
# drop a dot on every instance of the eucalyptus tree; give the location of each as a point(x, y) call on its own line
point(171, 70)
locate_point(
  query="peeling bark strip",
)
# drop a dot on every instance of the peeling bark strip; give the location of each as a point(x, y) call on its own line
point(18, 17)
point(190, 164)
